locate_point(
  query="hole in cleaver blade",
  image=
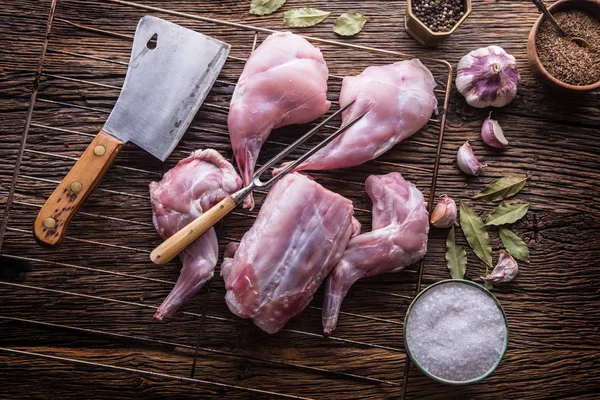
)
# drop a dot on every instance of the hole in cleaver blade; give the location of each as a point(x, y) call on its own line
point(152, 42)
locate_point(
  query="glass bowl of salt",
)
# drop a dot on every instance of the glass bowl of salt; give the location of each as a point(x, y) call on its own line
point(456, 332)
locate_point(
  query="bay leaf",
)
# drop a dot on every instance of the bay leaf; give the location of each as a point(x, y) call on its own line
point(349, 24)
point(265, 7)
point(502, 188)
point(476, 234)
point(507, 213)
point(514, 245)
point(456, 257)
point(304, 17)
point(488, 285)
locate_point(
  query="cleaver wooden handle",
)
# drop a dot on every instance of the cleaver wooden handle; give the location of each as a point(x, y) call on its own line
point(51, 224)
point(175, 244)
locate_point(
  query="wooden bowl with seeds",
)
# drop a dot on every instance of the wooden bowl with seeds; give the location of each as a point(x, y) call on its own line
point(430, 22)
point(559, 63)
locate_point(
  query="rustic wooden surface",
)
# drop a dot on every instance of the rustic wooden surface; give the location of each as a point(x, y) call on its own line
point(92, 300)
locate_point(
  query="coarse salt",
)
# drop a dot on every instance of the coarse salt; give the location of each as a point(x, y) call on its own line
point(456, 332)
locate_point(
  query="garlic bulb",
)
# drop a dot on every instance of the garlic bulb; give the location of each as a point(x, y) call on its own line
point(467, 162)
point(444, 214)
point(488, 77)
point(505, 270)
point(492, 133)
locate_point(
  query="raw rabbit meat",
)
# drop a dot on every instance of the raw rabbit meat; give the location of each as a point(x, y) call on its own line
point(300, 233)
point(398, 100)
point(194, 185)
point(284, 82)
point(398, 239)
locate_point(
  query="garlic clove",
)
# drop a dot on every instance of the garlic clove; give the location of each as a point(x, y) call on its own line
point(444, 214)
point(467, 162)
point(488, 77)
point(505, 270)
point(492, 134)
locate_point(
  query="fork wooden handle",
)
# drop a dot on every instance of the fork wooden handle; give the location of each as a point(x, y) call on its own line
point(174, 245)
point(51, 224)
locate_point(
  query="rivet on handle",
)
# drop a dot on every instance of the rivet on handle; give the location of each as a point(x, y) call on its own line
point(99, 150)
point(76, 187)
point(49, 223)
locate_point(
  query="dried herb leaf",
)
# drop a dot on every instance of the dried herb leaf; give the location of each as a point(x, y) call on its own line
point(507, 213)
point(488, 285)
point(304, 17)
point(514, 245)
point(502, 188)
point(349, 24)
point(265, 7)
point(476, 234)
point(456, 257)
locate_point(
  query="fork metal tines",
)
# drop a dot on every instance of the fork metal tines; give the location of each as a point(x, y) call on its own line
point(256, 182)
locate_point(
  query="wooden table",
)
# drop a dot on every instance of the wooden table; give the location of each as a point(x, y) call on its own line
point(92, 300)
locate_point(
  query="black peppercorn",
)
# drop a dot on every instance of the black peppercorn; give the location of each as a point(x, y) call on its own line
point(438, 15)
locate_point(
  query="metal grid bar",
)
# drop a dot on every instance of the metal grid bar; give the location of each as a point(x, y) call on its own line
point(268, 141)
point(203, 315)
point(197, 348)
point(149, 373)
point(36, 84)
point(218, 107)
point(213, 317)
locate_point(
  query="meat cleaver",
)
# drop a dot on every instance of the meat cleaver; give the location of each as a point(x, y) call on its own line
point(171, 70)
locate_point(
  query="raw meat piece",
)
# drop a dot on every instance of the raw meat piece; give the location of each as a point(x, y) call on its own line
point(194, 185)
point(300, 233)
point(398, 239)
point(284, 82)
point(398, 100)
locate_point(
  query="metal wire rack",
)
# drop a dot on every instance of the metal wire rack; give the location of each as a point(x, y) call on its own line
point(366, 351)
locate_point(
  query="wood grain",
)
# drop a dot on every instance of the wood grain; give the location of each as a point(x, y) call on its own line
point(93, 299)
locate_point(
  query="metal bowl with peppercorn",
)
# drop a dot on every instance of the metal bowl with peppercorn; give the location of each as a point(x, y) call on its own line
point(430, 22)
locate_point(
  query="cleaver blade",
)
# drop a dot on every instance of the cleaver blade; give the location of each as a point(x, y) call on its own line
point(170, 72)
point(164, 86)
